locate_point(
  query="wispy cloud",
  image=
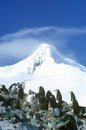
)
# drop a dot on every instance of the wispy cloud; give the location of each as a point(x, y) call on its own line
point(22, 43)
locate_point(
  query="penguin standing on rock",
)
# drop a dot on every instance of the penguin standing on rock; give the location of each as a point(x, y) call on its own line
point(41, 98)
point(72, 96)
point(58, 95)
point(4, 89)
point(42, 91)
point(53, 101)
point(50, 99)
point(75, 104)
point(59, 98)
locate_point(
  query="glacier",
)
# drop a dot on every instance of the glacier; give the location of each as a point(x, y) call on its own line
point(47, 67)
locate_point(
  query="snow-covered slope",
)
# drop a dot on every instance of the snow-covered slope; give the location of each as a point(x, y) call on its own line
point(48, 68)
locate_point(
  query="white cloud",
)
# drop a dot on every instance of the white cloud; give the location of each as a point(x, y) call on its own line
point(22, 43)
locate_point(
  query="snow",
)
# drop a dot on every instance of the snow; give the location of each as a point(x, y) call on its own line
point(48, 68)
point(59, 76)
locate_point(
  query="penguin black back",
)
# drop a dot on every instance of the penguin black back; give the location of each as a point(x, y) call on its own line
point(58, 95)
point(41, 91)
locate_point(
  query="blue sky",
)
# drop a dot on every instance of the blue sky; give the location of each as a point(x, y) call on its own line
point(25, 24)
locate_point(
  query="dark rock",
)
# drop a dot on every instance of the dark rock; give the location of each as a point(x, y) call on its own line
point(19, 115)
point(15, 103)
point(27, 126)
point(16, 113)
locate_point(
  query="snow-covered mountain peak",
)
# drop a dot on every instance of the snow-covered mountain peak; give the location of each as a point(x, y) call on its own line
point(46, 53)
point(43, 53)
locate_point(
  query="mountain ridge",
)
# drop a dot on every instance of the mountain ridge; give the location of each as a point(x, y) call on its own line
point(45, 52)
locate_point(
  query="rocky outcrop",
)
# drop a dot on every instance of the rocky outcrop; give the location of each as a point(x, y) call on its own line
point(19, 114)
